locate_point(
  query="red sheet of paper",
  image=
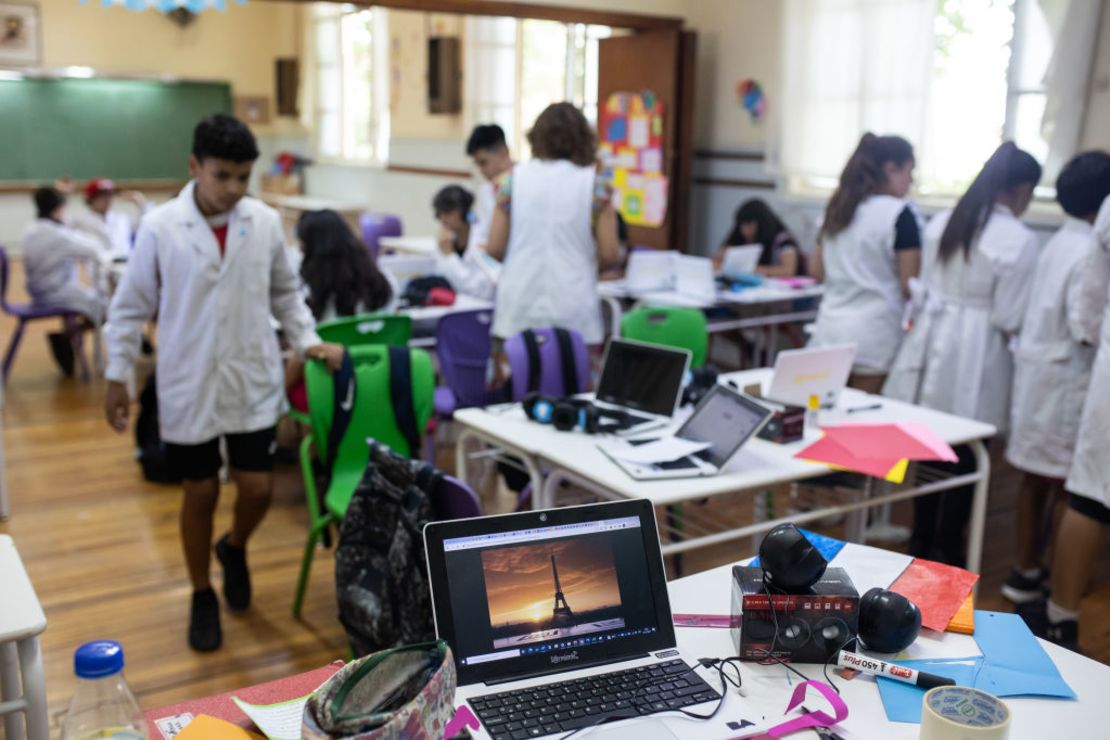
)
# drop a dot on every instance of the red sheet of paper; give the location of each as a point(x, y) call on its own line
point(831, 451)
point(913, 441)
point(938, 590)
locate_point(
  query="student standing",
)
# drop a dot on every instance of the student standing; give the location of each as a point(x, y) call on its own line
point(112, 227)
point(490, 152)
point(979, 265)
point(461, 258)
point(211, 265)
point(554, 225)
point(868, 249)
point(1052, 367)
point(755, 223)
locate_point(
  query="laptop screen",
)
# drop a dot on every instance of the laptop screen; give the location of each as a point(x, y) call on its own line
point(644, 377)
point(726, 419)
point(579, 587)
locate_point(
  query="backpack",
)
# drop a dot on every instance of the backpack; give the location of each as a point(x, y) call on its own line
point(430, 290)
point(148, 438)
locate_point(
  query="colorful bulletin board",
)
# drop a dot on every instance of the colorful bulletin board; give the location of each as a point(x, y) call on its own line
point(631, 148)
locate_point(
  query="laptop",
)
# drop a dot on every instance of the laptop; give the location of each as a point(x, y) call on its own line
point(650, 270)
point(559, 621)
point(724, 418)
point(694, 279)
point(642, 380)
point(741, 260)
point(820, 371)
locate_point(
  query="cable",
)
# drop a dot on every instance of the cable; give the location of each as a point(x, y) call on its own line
point(828, 660)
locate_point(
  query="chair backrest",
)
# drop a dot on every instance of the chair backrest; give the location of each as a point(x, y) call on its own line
point(367, 328)
point(372, 416)
point(376, 225)
point(4, 274)
point(455, 500)
point(551, 381)
point(463, 349)
point(671, 326)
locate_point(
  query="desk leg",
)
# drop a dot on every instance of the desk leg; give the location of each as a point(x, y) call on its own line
point(34, 689)
point(857, 520)
point(978, 507)
point(10, 689)
point(461, 459)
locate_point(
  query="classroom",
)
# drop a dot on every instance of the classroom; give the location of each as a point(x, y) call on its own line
point(548, 368)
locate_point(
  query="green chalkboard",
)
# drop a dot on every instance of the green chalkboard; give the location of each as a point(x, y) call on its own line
point(82, 128)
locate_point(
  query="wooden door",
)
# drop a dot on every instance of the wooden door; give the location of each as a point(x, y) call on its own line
point(663, 62)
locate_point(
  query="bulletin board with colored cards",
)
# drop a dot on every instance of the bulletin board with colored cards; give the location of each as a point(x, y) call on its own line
point(631, 148)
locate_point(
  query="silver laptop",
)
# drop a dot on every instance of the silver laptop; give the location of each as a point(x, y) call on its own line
point(741, 260)
point(724, 418)
point(820, 371)
point(560, 621)
point(642, 380)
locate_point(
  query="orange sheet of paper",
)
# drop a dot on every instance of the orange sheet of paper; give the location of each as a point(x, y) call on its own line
point(210, 728)
point(964, 621)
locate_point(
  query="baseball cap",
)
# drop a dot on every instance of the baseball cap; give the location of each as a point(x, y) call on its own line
point(97, 186)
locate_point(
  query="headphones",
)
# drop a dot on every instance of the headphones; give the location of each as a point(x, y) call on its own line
point(701, 381)
point(567, 414)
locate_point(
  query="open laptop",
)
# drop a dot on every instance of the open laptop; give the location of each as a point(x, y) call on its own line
point(820, 371)
point(694, 279)
point(724, 418)
point(642, 380)
point(650, 270)
point(559, 620)
point(741, 260)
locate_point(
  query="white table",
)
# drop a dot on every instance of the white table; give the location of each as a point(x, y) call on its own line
point(422, 245)
point(767, 688)
point(21, 623)
point(425, 318)
point(574, 457)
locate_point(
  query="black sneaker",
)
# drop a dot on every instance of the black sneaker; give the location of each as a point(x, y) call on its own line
point(61, 346)
point(237, 580)
point(1035, 616)
point(204, 622)
point(1065, 634)
point(1021, 590)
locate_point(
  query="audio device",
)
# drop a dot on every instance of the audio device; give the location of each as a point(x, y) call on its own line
point(567, 414)
point(790, 562)
point(787, 422)
point(701, 381)
point(888, 622)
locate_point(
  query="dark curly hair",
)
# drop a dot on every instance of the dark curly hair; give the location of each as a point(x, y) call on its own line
point(562, 132)
point(221, 136)
point(337, 267)
point(1084, 183)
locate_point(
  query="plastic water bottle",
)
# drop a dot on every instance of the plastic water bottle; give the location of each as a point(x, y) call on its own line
point(103, 705)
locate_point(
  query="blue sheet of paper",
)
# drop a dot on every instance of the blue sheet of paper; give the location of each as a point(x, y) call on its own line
point(827, 546)
point(1013, 664)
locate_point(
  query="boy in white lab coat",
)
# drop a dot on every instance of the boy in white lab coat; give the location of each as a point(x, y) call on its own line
point(460, 258)
point(1052, 367)
point(490, 152)
point(211, 265)
point(111, 226)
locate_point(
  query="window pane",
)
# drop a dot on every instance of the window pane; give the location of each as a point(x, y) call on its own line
point(328, 142)
point(1028, 114)
point(357, 42)
point(326, 35)
point(543, 67)
point(328, 96)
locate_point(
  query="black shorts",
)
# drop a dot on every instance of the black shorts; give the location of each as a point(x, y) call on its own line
point(1089, 507)
point(250, 452)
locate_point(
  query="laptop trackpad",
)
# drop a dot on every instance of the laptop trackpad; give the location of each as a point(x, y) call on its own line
point(646, 728)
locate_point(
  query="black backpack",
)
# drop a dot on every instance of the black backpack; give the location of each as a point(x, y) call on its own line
point(419, 289)
point(148, 438)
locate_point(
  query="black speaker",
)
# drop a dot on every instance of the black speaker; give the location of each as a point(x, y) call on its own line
point(888, 622)
point(790, 562)
point(833, 633)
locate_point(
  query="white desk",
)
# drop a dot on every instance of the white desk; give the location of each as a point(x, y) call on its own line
point(21, 622)
point(425, 318)
point(421, 245)
point(768, 690)
point(574, 457)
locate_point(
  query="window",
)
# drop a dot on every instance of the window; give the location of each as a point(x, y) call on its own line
point(516, 68)
point(346, 91)
point(956, 77)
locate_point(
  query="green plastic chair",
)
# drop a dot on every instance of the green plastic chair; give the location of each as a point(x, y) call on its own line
point(671, 326)
point(372, 417)
point(367, 328)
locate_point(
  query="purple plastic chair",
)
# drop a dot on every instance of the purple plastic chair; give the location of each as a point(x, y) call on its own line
point(376, 225)
point(24, 313)
point(551, 379)
point(455, 500)
point(463, 348)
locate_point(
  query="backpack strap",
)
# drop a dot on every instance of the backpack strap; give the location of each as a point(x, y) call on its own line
point(531, 345)
point(400, 393)
point(566, 358)
point(343, 404)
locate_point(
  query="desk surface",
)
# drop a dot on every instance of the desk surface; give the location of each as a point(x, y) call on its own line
point(462, 302)
point(308, 203)
point(409, 244)
point(771, 291)
point(758, 464)
point(21, 615)
point(768, 688)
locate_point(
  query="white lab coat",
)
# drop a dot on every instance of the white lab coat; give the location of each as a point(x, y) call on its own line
point(549, 275)
point(51, 252)
point(219, 366)
point(956, 357)
point(863, 301)
point(1090, 470)
point(472, 273)
point(114, 230)
point(1052, 366)
point(485, 205)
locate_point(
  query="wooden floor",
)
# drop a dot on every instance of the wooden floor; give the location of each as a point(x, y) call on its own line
point(101, 547)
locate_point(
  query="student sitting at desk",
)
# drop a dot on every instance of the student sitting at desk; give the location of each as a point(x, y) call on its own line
point(112, 227)
point(1052, 368)
point(490, 152)
point(868, 249)
point(460, 258)
point(756, 223)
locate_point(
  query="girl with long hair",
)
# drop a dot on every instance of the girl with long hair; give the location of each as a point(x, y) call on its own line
point(338, 273)
point(755, 223)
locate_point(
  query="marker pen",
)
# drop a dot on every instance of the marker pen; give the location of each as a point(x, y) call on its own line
point(875, 667)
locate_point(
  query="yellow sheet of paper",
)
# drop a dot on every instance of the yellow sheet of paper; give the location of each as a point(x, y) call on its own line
point(897, 474)
point(205, 727)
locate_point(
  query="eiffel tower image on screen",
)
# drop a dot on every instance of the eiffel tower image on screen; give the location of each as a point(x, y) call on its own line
point(561, 614)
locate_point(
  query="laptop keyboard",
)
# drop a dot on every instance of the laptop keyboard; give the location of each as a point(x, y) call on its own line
point(572, 705)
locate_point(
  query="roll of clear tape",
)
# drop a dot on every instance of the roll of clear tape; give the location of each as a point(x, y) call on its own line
point(962, 713)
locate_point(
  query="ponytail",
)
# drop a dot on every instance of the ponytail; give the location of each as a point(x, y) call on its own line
point(862, 177)
point(1008, 168)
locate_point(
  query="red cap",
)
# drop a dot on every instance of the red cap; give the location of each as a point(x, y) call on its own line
point(97, 186)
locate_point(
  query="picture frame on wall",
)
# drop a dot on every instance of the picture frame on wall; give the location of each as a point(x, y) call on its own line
point(20, 35)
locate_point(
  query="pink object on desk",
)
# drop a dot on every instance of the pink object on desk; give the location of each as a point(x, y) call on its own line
point(799, 281)
point(910, 440)
point(723, 621)
point(936, 588)
point(830, 451)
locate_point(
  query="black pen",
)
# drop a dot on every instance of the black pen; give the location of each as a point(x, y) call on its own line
point(872, 407)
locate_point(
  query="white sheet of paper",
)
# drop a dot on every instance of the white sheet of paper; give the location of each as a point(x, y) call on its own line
point(659, 451)
point(280, 721)
point(638, 136)
point(871, 567)
point(171, 726)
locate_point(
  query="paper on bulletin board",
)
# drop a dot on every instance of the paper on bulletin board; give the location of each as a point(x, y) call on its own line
point(631, 149)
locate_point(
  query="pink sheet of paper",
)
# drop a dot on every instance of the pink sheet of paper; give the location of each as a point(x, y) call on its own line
point(913, 441)
point(829, 450)
point(936, 588)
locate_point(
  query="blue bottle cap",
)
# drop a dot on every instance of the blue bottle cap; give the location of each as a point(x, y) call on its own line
point(98, 659)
